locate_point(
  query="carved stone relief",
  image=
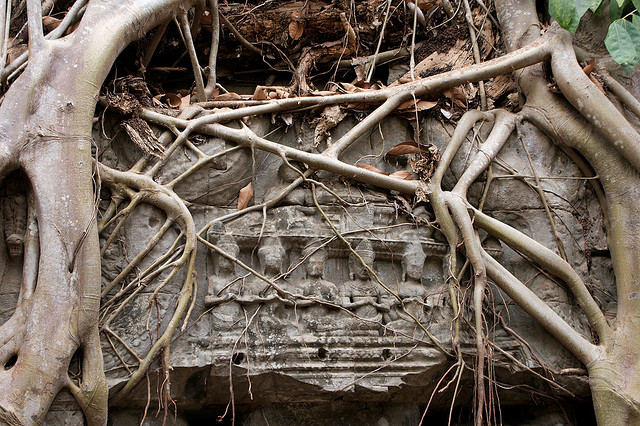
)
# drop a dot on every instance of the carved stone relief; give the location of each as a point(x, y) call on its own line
point(330, 329)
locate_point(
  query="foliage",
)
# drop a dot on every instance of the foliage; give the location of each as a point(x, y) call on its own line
point(623, 38)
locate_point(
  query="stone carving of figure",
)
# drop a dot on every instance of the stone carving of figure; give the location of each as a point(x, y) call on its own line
point(15, 222)
point(222, 290)
point(317, 316)
point(256, 292)
point(361, 294)
point(412, 292)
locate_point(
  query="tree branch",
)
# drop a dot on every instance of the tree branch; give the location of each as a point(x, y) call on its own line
point(195, 64)
point(36, 33)
point(526, 299)
point(550, 262)
point(591, 103)
point(213, 49)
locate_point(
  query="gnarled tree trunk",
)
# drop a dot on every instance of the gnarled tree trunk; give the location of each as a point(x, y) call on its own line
point(45, 129)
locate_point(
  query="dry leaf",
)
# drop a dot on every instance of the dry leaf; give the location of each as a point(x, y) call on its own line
point(72, 28)
point(427, 5)
point(260, 94)
point(244, 196)
point(371, 168)
point(366, 85)
point(406, 104)
point(173, 100)
point(421, 105)
point(408, 147)
point(424, 105)
point(352, 88)
point(589, 67)
point(185, 101)
point(296, 26)
point(401, 149)
point(457, 96)
point(402, 174)
point(50, 23)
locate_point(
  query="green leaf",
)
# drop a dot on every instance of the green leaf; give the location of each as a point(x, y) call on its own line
point(636, 4)
point(595, 6)
point(568, 12)
point(583, 5)
point(563, 11)
point(621, 3)
point(623, 43)
point(615, 10)
point(635, 21)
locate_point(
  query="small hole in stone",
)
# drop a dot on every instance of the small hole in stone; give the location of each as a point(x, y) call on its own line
point(386, 353)
point(12, 361)
point(237, 358)
point(322, 353)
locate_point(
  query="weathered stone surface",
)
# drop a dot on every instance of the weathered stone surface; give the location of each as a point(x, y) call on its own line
point(338, 335)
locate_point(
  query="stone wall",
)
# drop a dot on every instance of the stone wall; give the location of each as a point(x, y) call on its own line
point(343, 350)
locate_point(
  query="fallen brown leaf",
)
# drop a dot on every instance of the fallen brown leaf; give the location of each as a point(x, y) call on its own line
point(50, 23)
point(408, 147)
point(185, 101)
point(371, 169)
point(296, 26)
point(352, 88)
point(402, 174)
point(402, 149)
point(206, 18)
point(244, 196)
point(589, 67)
point(421, 105)
point(173, 100)
point(260, 94)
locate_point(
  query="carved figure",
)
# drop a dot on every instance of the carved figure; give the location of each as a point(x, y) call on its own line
point(15, 221)
point(360, 294)
point(412, 292)
point(257, 292)
point(316, 315)
point(221, 291)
